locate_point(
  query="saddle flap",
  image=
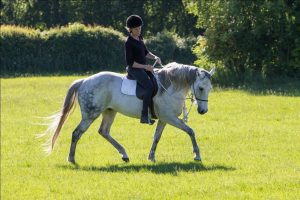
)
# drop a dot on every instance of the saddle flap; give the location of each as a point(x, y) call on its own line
point(128, 86)
point(132, 88)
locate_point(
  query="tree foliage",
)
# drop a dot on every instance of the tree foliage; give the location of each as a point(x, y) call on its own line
point(158, 15)
point(249, 37)
point(75, 48)
point(79, 48)
point(244, 38)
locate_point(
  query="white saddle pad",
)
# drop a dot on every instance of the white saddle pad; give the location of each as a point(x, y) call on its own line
point(128, 86)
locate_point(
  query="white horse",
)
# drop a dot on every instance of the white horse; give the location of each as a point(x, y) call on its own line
point(101, 94)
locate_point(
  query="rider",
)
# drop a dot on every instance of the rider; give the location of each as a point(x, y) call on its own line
point(136, 54)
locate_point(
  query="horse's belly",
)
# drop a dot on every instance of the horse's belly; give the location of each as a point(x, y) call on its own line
point(128, 105)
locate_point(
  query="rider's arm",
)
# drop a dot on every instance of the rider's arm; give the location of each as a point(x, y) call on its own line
point(153, 57)
point(129, 54)
point(141, 66)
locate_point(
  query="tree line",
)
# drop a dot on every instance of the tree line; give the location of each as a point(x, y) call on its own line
point(250, 38)
point(158, 15)
point(241, 38)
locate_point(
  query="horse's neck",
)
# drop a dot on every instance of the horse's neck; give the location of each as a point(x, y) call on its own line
point(178, 94)
point(172, 91)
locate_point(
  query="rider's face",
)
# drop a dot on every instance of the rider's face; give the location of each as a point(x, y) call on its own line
point(136, 31)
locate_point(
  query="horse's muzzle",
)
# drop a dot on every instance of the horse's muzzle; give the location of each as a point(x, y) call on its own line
point(201, 111)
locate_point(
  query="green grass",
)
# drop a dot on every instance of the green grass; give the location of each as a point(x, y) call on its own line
point(249, 144)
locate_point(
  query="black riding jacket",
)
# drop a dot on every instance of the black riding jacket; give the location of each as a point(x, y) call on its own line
point(135, 51)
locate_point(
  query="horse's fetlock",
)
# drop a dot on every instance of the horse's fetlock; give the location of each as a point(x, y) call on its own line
point(191, 132)
point(104, 133)
point(156, 140)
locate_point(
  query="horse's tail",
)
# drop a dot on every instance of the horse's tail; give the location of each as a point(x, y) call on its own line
point(57, 120)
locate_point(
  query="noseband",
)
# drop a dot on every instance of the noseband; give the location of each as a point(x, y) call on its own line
point(198, 99)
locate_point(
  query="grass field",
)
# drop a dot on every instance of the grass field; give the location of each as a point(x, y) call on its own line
point(249, 144)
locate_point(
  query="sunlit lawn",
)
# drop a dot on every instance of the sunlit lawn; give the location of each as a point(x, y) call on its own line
point(249, 144)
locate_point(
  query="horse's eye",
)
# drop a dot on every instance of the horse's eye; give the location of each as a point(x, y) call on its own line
point(201, 89)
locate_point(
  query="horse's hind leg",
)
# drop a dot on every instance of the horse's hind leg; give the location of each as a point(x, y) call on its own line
point(77, 133)
point(104, 130)
point(159, 129)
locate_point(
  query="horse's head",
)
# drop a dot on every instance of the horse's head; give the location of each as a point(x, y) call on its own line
point(201, 88)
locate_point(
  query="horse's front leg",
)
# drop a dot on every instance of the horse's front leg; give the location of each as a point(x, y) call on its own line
point(178, 123)
point(159, 129)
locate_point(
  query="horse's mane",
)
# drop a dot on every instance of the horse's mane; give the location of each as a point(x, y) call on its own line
point(178, 75)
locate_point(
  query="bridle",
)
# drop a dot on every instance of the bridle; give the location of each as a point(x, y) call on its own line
point(198, 99)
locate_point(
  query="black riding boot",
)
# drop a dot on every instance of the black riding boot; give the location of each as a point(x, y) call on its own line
point(146, 120)
point(145, 115)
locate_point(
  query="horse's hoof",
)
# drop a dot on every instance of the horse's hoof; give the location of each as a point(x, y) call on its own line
point(125, 159)
point(197, 159)
point(71, 160)
point(152, 159)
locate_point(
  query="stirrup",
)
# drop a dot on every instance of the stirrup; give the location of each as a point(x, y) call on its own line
point(146, 120)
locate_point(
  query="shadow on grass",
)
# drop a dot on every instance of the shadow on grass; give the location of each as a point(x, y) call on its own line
point(157, 168)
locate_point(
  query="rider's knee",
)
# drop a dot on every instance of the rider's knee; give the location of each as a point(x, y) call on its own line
point(150, 87)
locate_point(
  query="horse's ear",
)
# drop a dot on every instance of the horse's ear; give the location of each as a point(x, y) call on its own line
point(212, 71)
point(199, 74)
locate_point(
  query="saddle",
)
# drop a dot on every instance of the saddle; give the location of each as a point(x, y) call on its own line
point(131, 87)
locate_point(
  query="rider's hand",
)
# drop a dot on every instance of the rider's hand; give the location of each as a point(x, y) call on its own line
point(158, 59)
point(149, 68)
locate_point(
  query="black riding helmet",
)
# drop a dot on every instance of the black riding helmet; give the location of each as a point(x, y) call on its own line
point(134, 21)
